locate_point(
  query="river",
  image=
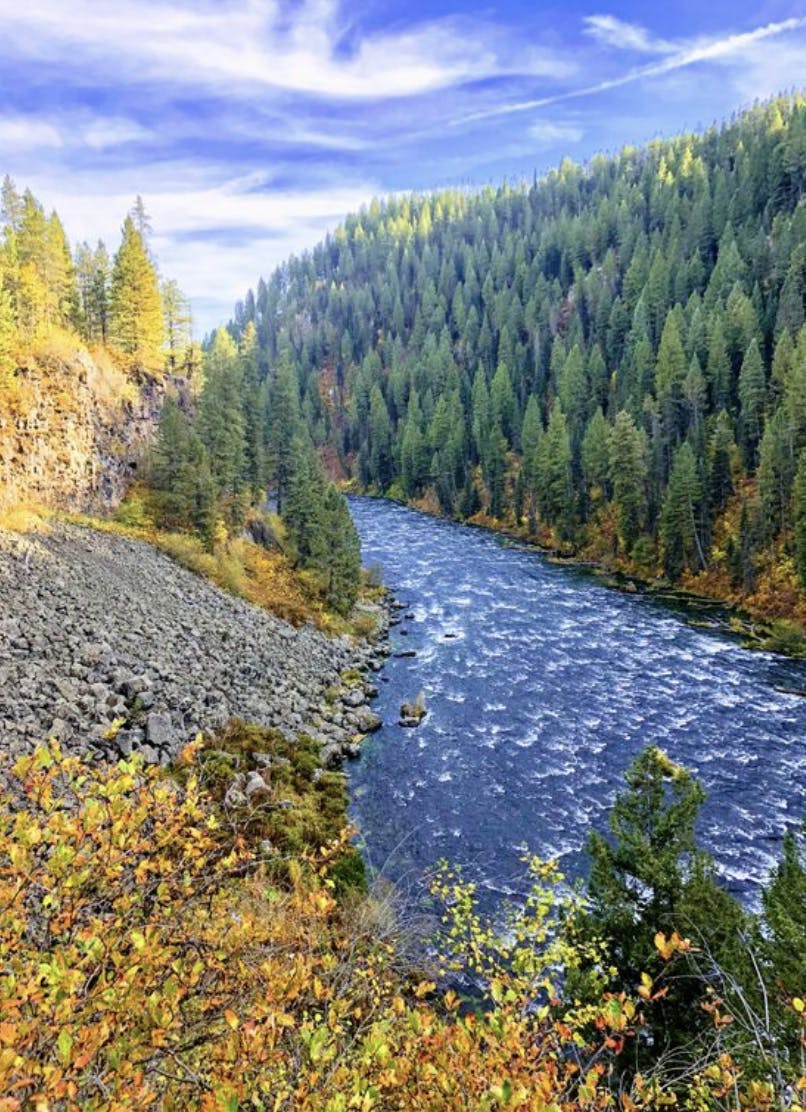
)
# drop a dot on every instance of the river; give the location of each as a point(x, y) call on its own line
point(542, 685)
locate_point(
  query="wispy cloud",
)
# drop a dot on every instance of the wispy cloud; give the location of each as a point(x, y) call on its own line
point(19, 133)
point(259, 43)
point(709, 50)
point(549, 133)
point(611, 31)
point(251, 127)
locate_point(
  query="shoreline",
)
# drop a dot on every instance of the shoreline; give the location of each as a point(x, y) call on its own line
point(757, 634)
point(112, 647)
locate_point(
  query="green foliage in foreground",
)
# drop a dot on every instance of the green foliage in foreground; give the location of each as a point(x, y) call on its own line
point(157, 952)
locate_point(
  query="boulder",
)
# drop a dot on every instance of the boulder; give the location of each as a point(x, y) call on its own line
point(412, 714)
point(160, 731)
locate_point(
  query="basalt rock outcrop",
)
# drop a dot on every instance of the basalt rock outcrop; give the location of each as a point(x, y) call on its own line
point(74, 429)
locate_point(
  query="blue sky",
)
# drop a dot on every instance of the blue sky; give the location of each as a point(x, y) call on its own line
point(251, 127)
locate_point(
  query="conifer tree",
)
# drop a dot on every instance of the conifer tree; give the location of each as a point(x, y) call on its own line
point(283, 426)
point(596, 454)
point(221, 422)
point(554, 479)
point(178, 324)
point(800, 519)
point(680, 531)
point(628, 476)
point(343, 560)
point(135, 310)
point(752, 392)
point(650, 876)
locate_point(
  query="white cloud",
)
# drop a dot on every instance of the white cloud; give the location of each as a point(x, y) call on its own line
point(21, 133)
point(111, 131)
point(547, 133)
point(250, 42)
point(730, 49)
point(196, 229)
point(610, 31)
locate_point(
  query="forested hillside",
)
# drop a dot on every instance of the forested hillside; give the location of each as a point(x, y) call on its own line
point(611, 360)
point(69, 420)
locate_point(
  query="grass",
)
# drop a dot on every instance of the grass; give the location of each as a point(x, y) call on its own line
point(262, 577)
point(25, 518)
point(305, 809)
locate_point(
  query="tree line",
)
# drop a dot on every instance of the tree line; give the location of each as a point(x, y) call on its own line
point(612, 358)
point(242, 437)
point(119, 301)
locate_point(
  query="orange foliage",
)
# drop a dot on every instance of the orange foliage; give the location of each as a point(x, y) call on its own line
point(151, 959)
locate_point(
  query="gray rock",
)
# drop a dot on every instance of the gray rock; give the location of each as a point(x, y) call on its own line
point(160, 731)
point(256, 788)
point(368, 721)
point(235, 797)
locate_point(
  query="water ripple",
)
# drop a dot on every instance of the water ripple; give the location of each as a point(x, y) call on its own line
point(542, 685)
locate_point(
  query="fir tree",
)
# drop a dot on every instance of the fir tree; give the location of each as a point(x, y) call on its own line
point(135, 309)
point(680, 531)
point(800, 519)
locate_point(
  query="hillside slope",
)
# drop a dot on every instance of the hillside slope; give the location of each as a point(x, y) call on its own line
point(110, 645)
point(612, 360)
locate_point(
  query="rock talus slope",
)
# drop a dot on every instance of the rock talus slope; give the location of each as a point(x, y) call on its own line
point(96, 628)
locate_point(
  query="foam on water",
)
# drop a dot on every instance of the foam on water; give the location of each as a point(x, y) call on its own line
point(549, 688)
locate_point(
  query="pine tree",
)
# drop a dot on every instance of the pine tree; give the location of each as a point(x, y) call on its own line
point(554, 478)
point(221, 423)
point(785, 936)
point(596, 454)
point(283, 426)
point(304, 508)
point(680, 532)
point(720, 473)
point(752, 395)
point(380, 440)
point(531, 432)
point(135, 309)
point(343, 561)
point(628, 477)
point(178, 324)
point(670, 378)
point(800, 519)
point(649, 876)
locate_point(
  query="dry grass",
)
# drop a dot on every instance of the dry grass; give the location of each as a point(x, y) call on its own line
point(266, 579)
point(25, 518)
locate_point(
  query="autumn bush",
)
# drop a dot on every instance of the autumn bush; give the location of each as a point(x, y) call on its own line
point(151, 957)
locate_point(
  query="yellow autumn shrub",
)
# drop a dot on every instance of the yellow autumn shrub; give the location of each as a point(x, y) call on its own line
point(150, 958)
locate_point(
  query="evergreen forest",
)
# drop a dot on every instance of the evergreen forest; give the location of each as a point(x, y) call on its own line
point(611, 360)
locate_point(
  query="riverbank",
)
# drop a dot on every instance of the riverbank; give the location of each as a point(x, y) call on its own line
point(110, 646)
point(772, 620)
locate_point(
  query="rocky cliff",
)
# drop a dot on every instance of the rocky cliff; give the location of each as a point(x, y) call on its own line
point(74, 428)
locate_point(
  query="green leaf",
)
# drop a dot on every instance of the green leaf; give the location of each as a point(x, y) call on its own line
point(64, 1045)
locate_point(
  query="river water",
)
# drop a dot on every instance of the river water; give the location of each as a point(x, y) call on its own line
point(542, 685)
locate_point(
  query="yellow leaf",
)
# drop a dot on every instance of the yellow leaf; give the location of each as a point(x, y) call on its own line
point(232, 1019)
point(798, 1005)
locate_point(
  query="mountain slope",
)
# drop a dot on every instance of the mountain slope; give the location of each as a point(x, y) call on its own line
point(612, 359)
